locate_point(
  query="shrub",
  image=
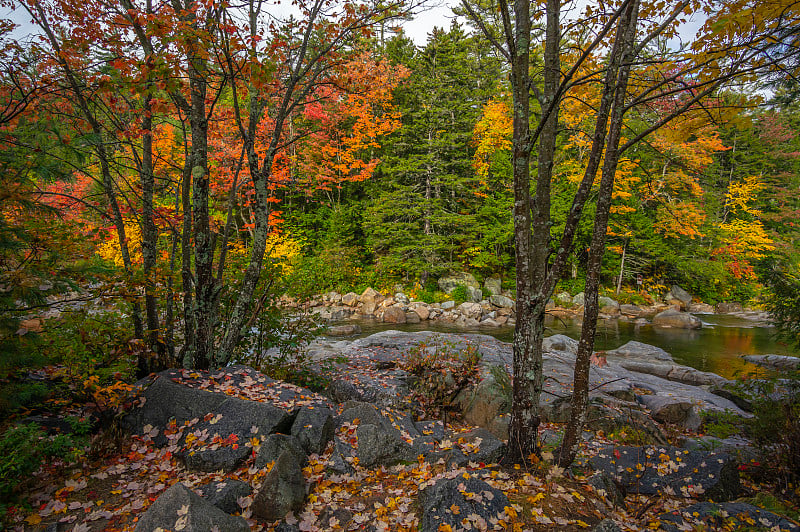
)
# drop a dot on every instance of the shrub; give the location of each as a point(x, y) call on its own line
point(440, 371)
point(460, 294)
point(25, 447)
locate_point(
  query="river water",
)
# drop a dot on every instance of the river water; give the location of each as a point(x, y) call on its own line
point(717, 347)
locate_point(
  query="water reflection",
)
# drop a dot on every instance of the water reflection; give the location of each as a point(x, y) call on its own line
point(717, 347)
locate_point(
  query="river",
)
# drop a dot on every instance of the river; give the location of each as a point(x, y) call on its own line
point(717, 347)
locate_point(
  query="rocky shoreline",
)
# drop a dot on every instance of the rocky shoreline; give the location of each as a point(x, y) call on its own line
point(493, 307)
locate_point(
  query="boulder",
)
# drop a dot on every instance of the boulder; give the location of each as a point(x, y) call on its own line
point(275, 445)
point(656, 469)
point(493, 286)
point(727, 308)
point(394, 315)
point(400, 297)
point(313, 428)
point(579, 299)
point(379, 446)
point(447, 305)
point(412, 317)
point(344, 330)
point(341, 390)
point(632, 311)
point(607, 525)
point(449, 501)
point(639, 350)
point(422, 311)
point(676, 319)
point(781, 362)
point(605, 486)
point(380, 440)
point(225, 494)
point(179, 508)
point(606, 302)
point(701, 308)
point(676, 292)
point(723, 516)
point(475, 294)
point(672, 410)
point(448, 283)
point(501, 301)
point(560, 343)
point(470, 310)
point(350, 299)
point(483, 403)
point(483, 446)
point(340, 313)
point(233, 421)
point(283, 489)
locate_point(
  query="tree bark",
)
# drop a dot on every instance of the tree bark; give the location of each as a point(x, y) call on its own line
point(626, 33)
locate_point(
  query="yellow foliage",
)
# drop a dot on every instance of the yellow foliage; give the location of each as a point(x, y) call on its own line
point(747, 239)
point(110, 249)
point(741, 193)
point(492, 133)
point(282, 251)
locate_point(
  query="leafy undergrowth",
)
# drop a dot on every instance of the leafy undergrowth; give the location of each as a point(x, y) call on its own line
point(110, 492)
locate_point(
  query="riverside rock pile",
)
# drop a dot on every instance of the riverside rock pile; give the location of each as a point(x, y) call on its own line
point(493, 307)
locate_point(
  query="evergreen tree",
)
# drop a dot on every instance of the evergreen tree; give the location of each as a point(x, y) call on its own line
point(427, 213)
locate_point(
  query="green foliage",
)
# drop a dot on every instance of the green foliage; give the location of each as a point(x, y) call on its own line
point(441, 370)
point(19, 394)
point(460, 294)
point(783, 300)
point(91, 344)
point(722, 424)
point(25, 447)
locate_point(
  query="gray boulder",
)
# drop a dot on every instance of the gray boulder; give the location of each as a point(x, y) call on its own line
point(275, 445)
point(677, 320)
point(283, 489)
point(179, 508)
point(483, 446)
point(672, 410)
point(493, 286)
point(632, 311)
point(782, 362)
point(501, 301)
point(634, 349)
point(607, 302)
point(605, 487)
point(607, 525)
point(655, 470)
point(314, 428)
point(676, 292)
point(341, 390)
point(344, 330)
point(579, 299)
point(475, 294)
point(378, 446)
point(448, 283)
point(225, 494)
point(466, 496)
point(483, 403)
point(560, 343)
point(233, 421)
point(447, 305)
point(723, 516)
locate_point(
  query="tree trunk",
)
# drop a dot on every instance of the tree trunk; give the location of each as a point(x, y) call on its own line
point(524, 426)
point(580, 395)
